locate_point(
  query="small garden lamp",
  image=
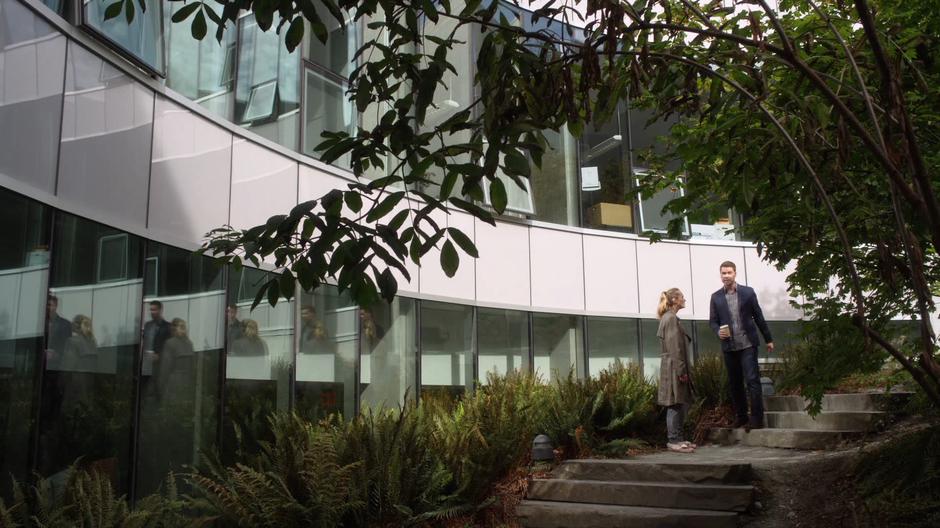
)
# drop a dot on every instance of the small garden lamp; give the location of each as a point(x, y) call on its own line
point(542, 449)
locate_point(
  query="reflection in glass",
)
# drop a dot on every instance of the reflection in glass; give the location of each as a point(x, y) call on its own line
point(651, 346)
point(605, 176)
point(267, 90)
point(32, 64)
point(555, 184)
point(503, 337)
point(446, 350)
point(182, 344)
point(88, 393)
point(24, 265)
point(326, 364)
point(326, 109)
point(611, 339)
point(259, 362)
point(557, 343)
point(202, 70)
point(142, 38)
point(389, 351)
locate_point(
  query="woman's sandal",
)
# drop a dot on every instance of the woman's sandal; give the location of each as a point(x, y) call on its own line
point(679, 448)
point(688, 444)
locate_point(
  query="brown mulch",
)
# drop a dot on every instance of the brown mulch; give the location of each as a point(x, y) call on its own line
point(722, 416)
point(508, 493)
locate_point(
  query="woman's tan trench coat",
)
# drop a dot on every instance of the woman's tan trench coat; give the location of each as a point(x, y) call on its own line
point(674, 361)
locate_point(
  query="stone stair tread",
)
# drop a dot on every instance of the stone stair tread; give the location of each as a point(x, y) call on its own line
point(712, 497)
point(828, 412)
point(811, 439)
point(646, 483)
point(607, 470)
point(545, 514)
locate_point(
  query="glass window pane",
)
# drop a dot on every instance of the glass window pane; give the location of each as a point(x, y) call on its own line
point(326, 109)
point(651, 216)
point(24, 266)
point(32, 66)
point(180, 377)
point(89, 386)
point(706, 342)
point(609, 340)
point(555, 184)
point(267, 90)
point(389, 353)
point(605, 177)
point(259, 361)
point(503, 337)
point(557, 345)
point(142, 38)
point(446, 350)
point(202, 70)
point(326, 364)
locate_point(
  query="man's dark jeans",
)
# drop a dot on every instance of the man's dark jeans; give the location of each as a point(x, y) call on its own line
point(744, 372)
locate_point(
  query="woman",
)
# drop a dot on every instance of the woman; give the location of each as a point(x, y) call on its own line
point(250, 343)
point(675, 385)
point(175, 368)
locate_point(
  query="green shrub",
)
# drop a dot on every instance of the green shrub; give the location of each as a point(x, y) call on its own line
point(397, 474)
point(710, 379)
point(624, 408)
point(296, 480)
point(900, 483)
point(87, 500)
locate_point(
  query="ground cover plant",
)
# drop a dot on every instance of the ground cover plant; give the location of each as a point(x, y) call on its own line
point(430, 463)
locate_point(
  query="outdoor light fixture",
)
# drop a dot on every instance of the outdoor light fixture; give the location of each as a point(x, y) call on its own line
point(542, 449)
point(604, 146)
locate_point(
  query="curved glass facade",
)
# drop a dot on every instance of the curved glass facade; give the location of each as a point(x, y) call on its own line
point(120, 346)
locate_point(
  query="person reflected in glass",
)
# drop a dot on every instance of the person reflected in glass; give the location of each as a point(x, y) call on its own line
point(156, 331)
point(58, 331)
point(175, 367)
point(234, 327)
point(250, 343)
point(372, 332)
point(312, 330)
point(675, 382)
point(80, 360)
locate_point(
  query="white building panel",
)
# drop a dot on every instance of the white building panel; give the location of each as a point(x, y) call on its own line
point(706, 278)
point(771, 286)
point(610, 283)
point(557, 270)
point(503, 267)
point(264, 183)
point(189, 187)
point(661, 266)
point(433, 279)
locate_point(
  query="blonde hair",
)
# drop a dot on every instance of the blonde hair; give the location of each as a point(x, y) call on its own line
point(667, 300)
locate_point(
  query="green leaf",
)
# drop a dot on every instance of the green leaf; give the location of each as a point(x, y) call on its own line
point(388, 285)
point(183, 13)
point(498, 197)
point(516, 163)
point(129, 11)
point(447, 186)
point(295, 34)
point(450, 260)
point(199, 27)
point(474, 210)
point(385, 206)
point(353, 200)
point(463, 241)
point(113, 10)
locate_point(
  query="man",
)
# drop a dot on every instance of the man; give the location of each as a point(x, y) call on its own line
point(312, 331)
point(156, 331)
point(234, 327)
point(58, 330)
point(735, 316)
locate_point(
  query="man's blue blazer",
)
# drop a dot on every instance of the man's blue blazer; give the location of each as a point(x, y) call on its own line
point(752, 318)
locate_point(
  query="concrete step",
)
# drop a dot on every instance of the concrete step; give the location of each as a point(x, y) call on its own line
point(783, 438)
point(826, 420)
point(545, 514)
point(716, 497)
point(868, 401)
point(649, 471)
